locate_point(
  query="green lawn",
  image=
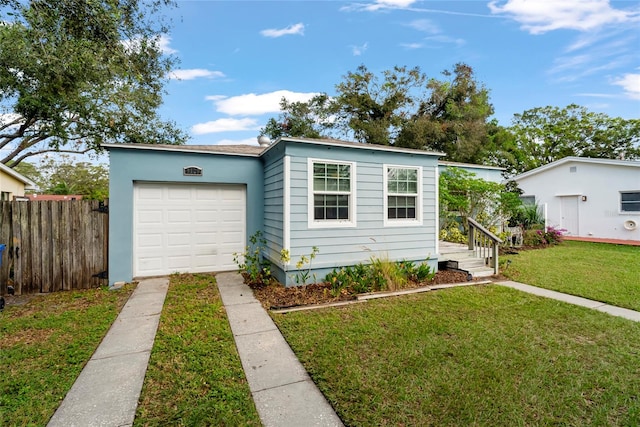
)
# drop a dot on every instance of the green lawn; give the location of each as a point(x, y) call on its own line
point(44, 345)
point(598, 271)
point(484, 355)
point(195, 377)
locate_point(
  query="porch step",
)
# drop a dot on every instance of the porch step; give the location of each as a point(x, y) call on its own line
point(465, 259)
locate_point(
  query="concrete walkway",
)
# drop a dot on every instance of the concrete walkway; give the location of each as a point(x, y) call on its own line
point(106, 392)
point(282, 390)
point(571, 299)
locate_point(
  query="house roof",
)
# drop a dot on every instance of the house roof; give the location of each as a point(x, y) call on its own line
point(27, 182)
point(570, 159)
point(470, 165)
point(257, 151)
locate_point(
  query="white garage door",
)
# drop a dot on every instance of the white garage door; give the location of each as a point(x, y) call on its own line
point(187, 228)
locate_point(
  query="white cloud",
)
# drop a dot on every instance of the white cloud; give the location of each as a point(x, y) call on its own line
point(245, 141)
point(163, 43)
point(225, 125)
point(425, 25)
point(631, 85)
point(195, 73)
point(359, 50)
point(388, 4)
point(442, 39)
point(539, 17)
point(290, 30)
point(252, 104)
point(411, 45)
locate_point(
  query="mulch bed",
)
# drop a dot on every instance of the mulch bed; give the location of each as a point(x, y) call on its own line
point(275, 296)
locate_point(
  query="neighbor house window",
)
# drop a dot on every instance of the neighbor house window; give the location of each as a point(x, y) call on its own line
point(528, 200)
point(332, 188)
point(5, 196)
point(402, 188)
point(630, 201)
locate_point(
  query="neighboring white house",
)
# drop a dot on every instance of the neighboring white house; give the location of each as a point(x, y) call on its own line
point(587, 197)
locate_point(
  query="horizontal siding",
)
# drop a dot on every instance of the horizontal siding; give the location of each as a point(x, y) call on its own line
point(273, 206)
point(347, 246)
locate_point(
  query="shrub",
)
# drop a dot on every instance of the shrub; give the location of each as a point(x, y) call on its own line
point(453, 234)
point(256, 270)
point(554, 236)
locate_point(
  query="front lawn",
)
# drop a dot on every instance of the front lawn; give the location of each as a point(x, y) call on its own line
point(45, 343)
point(482, 355)
point(195, 377)
point(599, 271)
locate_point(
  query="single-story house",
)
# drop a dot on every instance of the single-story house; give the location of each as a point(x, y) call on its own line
point(12, 184)
point(587, 197)
point(186, 208)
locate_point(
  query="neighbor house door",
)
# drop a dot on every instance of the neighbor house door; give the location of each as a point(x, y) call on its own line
point(569, 214)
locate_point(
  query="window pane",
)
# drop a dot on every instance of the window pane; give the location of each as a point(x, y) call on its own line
point(402, 187)
point(319, 170)
point(412, 175)
point(630, 197)
point(319, 184)
point(401, 207)
point(630, 207)
point(413, 188)
point(332, 184)
point(345, 171)
point(332, 171)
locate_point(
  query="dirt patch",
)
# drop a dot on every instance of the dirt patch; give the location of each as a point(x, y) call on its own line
point(275, 296)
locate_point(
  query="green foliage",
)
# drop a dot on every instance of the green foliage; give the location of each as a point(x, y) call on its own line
point(598, 271)
point(61, 175)
point(453, 118)
point(303, 275)
point(453, 234)
point(477, 355)
point(251, 262)
point(401, 107)
point(465, 196)
point(546, 134)
point(195, 377)
point(539, 237)
point(381, 274)
point(45, 344)
point(77, 74)
point(527, 216)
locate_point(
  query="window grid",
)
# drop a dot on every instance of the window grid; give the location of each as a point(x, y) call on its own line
point(402, 193)
point(331, 191)
point(630, 201)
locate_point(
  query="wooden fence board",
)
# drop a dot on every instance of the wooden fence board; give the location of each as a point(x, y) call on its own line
point(52, 245)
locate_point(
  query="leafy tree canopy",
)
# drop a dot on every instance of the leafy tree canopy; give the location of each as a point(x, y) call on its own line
point(77, 73)
point(62, 175)
point(463, 195)
point(401, 107)
point(543, 135)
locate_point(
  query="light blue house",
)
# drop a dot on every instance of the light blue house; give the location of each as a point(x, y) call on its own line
point(487, 173)
point(190, 208)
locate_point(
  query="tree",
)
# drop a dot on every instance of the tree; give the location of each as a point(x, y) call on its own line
point(77, 73)
point(464, 195)
point(453, 119)
point(61, 175)
point(401, 107)
point(546, 134)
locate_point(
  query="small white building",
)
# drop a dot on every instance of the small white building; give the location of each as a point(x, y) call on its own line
point(587, 197)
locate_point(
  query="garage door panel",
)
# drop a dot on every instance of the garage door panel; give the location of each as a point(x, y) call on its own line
point(187, 228)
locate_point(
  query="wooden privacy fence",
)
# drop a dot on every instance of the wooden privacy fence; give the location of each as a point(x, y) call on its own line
point(53, 245)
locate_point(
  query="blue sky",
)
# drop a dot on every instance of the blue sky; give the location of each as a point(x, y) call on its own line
point(238, 58)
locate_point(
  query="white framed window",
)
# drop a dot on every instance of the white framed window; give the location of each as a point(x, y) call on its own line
point(630, 201)
point(402, 195)
point(528, 200)
point(332, 187)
